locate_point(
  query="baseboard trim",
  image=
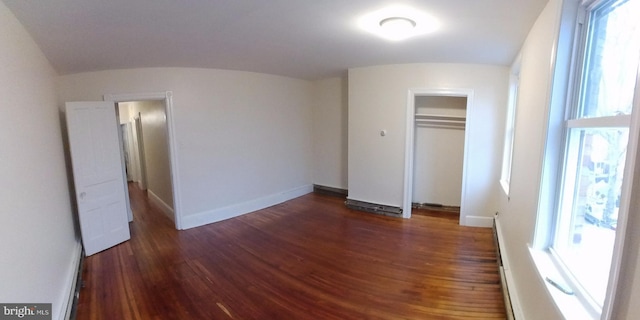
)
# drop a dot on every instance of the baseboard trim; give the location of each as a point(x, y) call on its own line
point(376, 208)
point(211, 216)
point(478, 221)
point(166, 209)
point(73, 283)
point(331, 191)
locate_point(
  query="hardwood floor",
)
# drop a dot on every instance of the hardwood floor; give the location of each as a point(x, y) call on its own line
point(454, 216)
point(309, 258)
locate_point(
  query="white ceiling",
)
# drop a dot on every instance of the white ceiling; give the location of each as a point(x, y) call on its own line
point(307, 39)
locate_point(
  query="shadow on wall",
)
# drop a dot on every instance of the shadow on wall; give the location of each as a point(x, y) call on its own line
point(69, 170)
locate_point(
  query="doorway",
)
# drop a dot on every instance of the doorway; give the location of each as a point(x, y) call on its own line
point(148, 146)
point(146, 150)
point(435, 148)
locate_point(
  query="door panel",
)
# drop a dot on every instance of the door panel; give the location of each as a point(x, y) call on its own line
point(98, 174)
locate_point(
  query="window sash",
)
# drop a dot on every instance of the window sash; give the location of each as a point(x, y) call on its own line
point(507, 152)
point(572, 215)
point(621, 121)
point(575, 120)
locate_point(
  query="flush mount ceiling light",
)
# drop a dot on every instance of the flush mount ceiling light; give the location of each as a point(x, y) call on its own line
point(397, 23)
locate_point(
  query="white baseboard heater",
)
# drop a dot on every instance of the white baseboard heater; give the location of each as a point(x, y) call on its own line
point(503, 279)
point(374, 208)
point(74, 296)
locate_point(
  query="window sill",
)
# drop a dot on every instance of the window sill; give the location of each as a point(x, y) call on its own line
point(569, 305)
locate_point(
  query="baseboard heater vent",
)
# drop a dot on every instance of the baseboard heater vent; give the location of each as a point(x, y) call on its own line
point(503, 279)
point(374, 208)
point(72, 308)
point(435, 206)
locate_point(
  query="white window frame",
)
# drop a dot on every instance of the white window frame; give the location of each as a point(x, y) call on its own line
point(510, 129)
point(547, 221)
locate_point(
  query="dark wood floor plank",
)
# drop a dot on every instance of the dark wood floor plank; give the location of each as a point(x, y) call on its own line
point(309, 258)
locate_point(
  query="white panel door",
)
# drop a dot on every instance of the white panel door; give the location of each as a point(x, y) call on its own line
point(98, 174)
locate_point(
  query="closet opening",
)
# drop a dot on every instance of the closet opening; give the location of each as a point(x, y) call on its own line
point(435, 154)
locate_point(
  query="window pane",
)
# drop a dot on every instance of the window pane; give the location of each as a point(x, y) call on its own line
point(507, 152)
point(591, 198)
point(612, 57)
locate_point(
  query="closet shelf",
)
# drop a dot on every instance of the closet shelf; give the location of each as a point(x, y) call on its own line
point(425, 116)
point(440, 121)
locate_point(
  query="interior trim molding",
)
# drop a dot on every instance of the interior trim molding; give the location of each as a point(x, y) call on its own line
point(167, 97)
point(337, 192)
point(478, 221)
point(235, 210)
point(166, 209)
point(410, 144)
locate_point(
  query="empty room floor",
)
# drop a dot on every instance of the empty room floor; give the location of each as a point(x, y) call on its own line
point(308, 258)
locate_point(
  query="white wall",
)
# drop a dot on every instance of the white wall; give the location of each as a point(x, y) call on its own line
point(518, 211)
point(156, 148)
point(38, 242)
point(330, 132)
point(378, 101)
point(243, 139)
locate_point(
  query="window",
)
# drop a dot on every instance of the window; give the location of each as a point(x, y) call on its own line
point(509, 134)
point(596, 135)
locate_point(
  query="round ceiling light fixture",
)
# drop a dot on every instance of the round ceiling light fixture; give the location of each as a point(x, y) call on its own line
point(398, 23)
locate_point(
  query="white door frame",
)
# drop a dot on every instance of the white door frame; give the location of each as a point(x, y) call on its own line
point(167, 97)
point(142, 160)
point(410, 147)
point(129, 162)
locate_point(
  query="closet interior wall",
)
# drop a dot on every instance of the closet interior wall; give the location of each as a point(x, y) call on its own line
point(439, 150)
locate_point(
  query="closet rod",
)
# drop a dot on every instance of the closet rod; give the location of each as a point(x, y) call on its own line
point(422, 116)
point(440, 125)
point(441, 120)
point(448, 122)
